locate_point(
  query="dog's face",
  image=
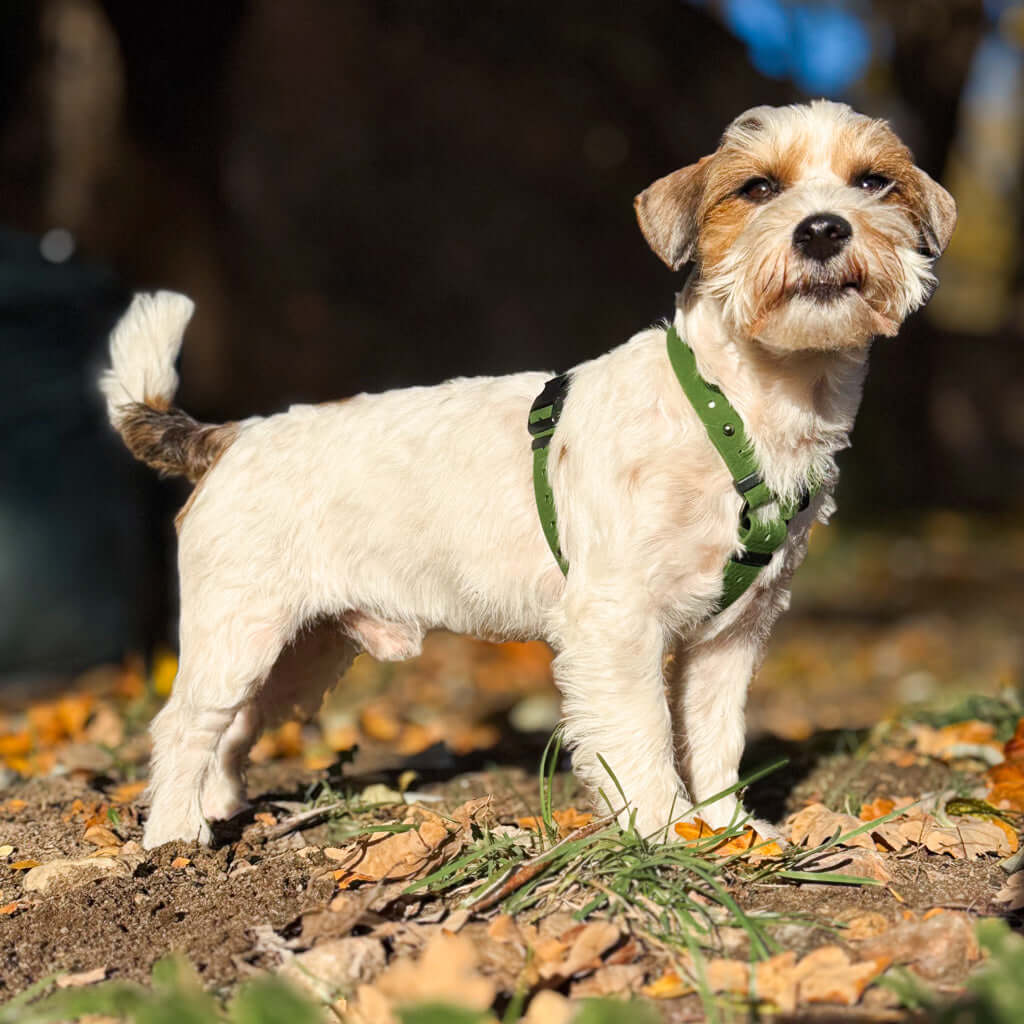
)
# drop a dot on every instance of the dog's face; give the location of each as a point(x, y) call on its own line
point(809, 225)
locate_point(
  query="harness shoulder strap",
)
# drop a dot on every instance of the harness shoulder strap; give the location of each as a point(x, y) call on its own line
point(544, 414)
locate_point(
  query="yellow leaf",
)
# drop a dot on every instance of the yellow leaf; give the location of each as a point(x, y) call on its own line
point(165, 668)
point(668, 986)
point(24, 865)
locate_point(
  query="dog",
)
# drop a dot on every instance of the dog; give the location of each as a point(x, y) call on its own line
point(358, 525)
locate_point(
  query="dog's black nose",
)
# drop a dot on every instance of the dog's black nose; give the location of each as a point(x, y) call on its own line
point(822, 235)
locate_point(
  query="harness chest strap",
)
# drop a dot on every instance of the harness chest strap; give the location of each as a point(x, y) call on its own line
point(760, 538)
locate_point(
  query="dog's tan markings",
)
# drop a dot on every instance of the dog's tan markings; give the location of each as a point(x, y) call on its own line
point(190, 501)
point(667, 213)
point(172, 442)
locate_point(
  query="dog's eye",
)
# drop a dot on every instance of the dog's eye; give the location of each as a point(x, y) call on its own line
point(759, 190)
point(872, 182)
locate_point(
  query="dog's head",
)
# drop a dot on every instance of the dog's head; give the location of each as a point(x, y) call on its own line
point(810, 225)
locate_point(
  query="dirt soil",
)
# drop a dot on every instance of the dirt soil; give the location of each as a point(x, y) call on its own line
point(469, 723)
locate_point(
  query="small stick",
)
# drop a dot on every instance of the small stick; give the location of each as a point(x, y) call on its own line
point(303, 820)
point(530, 869)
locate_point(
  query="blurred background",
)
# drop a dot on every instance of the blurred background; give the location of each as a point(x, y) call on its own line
point(365, 195)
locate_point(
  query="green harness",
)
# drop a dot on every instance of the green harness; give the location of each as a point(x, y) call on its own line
point(760, 539)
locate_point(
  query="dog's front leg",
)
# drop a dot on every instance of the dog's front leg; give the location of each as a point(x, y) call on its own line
point(610, 671)
point(708, 685)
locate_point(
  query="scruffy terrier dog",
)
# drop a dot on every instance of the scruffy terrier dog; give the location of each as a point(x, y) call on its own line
point(358, 525)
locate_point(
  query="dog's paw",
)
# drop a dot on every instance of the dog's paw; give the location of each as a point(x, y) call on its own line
point(160, 830)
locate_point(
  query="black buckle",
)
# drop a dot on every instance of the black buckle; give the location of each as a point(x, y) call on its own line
point(752, 558)
point(553, 395)
point(748, 483)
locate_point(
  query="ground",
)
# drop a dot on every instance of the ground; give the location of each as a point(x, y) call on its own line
point(407, 846)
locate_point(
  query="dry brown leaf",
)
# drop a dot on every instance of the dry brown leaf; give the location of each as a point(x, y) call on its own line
point(402, 855)
point(548, 1007)
point(609, 980)
point(816, 824)
point(1012, 893)
point(961, 739)
point(447, 972)
point(965, 839)
point(865, 926)
point(101, 835)
point(828, 976)
point(584, 953)
point(939, 947)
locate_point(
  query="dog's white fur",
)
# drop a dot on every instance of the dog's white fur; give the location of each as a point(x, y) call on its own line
point(359, 525)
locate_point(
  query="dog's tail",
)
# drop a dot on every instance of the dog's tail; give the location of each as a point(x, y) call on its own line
point(141, 383)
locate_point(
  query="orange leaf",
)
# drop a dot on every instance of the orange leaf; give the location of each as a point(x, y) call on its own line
point(24, 865)
point(1007, 795)
point(14, 805)
point(101, 835)
point(180, 862)
point(567, 821)
point(265, 819)
point(10, 908)
point(691, 831)
point(127, 792)
point(379, 723)
point(15, 744)
point(876, 809)
point(1014, 747)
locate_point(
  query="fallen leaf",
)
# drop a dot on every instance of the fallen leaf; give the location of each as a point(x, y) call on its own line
point(82, 978)
point(379, 722)
point(265, 819)
point(24, 865)
point(938, 948)
point(6, 850)
point(961, 739)
point(446, 972)
point(865, 925)
point(668, 986)
point(165, 668)
point(1012, 893)
point(14, 805)
point(567, 820)
point(402, 855)
point(816, 824)
point(585, 951)
point(876, 809)
point(748, 841)
point(965, 839)
point(127, 792)
point(828, 976)
point(100, 835)
point(180, 862)
point(9, 908)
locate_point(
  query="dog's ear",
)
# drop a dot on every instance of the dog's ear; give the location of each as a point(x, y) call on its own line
point(935, 210)
point(667, 213)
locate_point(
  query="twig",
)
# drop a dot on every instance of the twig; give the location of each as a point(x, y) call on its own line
point(517, 877)
point(303, 820)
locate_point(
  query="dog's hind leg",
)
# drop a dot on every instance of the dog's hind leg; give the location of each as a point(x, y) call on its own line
point(609, 669)
point(221, 666)
point(315, 659)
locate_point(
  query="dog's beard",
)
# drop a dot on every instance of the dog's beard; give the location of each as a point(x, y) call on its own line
point(775, 296)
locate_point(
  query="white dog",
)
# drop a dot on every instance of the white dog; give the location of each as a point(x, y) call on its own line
point(360, 524)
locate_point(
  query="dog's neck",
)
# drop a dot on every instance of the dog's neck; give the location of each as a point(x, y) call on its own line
point(798, 408)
